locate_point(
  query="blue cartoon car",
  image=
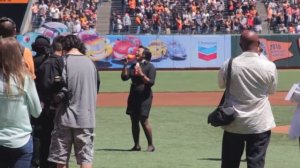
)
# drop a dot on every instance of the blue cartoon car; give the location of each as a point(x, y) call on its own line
point(176, 51)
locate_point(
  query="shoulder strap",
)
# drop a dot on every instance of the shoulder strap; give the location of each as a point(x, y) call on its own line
point(228, 80)
point(228, 76)
point(44, 59)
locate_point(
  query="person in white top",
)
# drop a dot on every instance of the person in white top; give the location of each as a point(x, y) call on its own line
point(18, 101)
point(253, 79)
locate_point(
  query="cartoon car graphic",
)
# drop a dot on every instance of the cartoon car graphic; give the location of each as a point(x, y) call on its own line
point(126, 48)
point(158, 50)
point(98, 47)
point(176, 51)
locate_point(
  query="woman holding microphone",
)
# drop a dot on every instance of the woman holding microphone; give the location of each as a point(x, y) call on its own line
point(142, 75)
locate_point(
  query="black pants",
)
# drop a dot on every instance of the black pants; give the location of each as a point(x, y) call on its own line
point(233, 146)
point(42, 139)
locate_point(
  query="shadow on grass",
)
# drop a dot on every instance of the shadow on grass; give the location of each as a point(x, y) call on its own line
point(211, 159)
point(217, 159)
point(114, 150)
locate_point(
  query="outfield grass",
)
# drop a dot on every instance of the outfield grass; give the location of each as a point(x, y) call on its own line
point(182, 139)
point(181, 135)
point(187, 81)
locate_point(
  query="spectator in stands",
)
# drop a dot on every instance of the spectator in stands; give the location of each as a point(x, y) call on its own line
point(282, 29)
point(298, 28)
point(231, 8)
point(179, 24)
point(291, 29)
point(257, 23)
point(138, 21)
point(54, 13)
point(146, 25)
point(228, 25)
point(126, 22)
point(132, 6)
point(113, 21)
point(35, 10)
point(77, 26)
point(19, 101)
point(119, 24)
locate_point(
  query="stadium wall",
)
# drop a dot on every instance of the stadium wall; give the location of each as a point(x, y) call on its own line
point(198, 51)
point(282, 49)
point(168, 52)
point(182, 51)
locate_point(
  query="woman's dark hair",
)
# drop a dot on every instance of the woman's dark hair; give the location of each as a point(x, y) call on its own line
point(146, 53)
point(72, 41)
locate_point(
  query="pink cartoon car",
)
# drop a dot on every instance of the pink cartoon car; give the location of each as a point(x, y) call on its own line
point(126, 48)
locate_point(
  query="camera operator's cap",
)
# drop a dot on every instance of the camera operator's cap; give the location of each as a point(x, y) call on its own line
point(42, 41)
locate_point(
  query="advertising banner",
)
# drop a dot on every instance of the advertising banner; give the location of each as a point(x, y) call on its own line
point(282, 49)
point(178, 51)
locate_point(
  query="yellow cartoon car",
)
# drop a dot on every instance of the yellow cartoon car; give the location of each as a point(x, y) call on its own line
point(158, 50)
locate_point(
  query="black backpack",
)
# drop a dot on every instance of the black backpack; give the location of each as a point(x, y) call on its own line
point(45, 72)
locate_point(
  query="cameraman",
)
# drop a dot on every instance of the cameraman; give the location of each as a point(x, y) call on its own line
point(48, 66)
point(75, 115)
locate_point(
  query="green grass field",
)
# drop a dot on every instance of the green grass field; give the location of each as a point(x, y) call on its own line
point(182, 137)
point(187, 81)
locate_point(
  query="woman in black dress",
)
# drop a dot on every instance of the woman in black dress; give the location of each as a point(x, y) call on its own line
point(142, 75)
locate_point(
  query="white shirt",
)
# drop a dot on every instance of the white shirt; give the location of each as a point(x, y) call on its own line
point(253, 78)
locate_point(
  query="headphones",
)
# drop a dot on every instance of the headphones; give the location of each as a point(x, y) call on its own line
point(47, 47)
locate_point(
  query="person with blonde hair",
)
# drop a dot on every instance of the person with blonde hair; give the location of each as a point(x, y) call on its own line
point(19, 100)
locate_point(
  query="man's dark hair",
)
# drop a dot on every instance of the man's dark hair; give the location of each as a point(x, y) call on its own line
point(7, 27)
point(57, 43)
point(72, 41)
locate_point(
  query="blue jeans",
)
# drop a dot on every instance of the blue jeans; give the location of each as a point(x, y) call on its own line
point(16, 157)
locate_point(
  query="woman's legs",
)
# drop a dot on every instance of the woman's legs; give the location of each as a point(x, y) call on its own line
point(148, 133)
point(135, 128)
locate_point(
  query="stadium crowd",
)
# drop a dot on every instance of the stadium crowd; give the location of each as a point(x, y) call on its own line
point(172, 16)
point(188, 17)
point(77, 15)
point(283, 17)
